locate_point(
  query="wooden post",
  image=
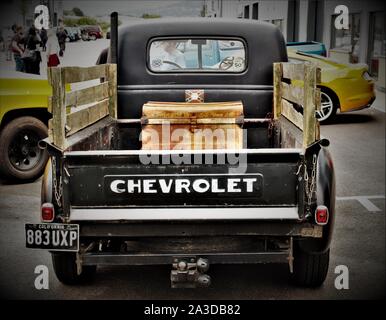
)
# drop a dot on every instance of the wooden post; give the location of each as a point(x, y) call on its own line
point(309, 130)
point(111, 73)
point(57, 125)
point(318, 100)
point(277, 75)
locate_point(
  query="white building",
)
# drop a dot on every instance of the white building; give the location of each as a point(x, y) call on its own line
point(302, 20)
point(22, 12)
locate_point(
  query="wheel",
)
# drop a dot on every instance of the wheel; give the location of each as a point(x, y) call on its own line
point(93, 37)
point(310, 269)
point(65, 269)
point(20, 156)
point(329, 106)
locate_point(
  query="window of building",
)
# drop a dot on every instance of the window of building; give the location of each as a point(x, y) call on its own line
point(246, 12)
point(347, 39)
point(377, 41)
point(255, 11)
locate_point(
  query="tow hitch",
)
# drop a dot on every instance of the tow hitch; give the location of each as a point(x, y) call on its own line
point(190, 272)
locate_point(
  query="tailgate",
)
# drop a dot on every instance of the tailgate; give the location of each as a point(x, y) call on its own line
point(120, 180)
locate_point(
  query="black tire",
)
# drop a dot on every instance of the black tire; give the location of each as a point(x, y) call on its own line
point(12, 152)
point(65, 268)
point(331, 101)
point(310, 269)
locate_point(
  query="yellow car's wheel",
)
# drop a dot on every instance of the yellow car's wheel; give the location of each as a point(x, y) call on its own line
point(328, 107)
point(20, 156)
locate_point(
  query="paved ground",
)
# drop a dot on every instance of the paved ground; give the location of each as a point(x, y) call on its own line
point(358, 148)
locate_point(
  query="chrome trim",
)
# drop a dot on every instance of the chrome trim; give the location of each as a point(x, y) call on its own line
point(167, 152)
point(167, 214)
point(193, 86)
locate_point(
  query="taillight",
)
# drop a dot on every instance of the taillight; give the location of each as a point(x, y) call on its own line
point(321, 215)
point(48, 212)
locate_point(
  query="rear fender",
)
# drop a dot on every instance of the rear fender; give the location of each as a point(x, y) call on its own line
point(325, 196)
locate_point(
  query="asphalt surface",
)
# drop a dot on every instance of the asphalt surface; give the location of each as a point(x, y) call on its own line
point(358, 148)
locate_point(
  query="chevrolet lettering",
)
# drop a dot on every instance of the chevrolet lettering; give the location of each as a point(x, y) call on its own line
point(191, 184)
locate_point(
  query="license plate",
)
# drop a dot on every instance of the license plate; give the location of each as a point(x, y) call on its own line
point(52, 236)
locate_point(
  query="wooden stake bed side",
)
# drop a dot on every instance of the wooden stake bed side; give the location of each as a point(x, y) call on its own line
point(75, 110)
point(295, 86)
point(296, 98)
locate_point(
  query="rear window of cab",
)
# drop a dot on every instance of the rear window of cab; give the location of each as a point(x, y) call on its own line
point(197, 55)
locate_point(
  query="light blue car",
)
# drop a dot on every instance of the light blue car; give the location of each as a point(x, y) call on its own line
point(310, 47)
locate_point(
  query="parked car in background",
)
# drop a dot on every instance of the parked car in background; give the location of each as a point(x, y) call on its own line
point(84, 34)
point(93, 32)
point(73, 34)
point(347, 87)
point(311, 47)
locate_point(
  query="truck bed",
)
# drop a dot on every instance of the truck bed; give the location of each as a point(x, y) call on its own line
point(113, 152)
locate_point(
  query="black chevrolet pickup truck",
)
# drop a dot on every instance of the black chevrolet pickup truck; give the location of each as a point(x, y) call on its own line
point(111, 197)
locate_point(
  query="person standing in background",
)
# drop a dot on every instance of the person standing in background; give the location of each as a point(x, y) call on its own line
point(44, 38)
point(17, 47)
point(62, 36)
point(31, 56)
point(52, 49)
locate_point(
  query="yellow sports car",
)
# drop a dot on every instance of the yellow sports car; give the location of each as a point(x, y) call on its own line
point(344, 87)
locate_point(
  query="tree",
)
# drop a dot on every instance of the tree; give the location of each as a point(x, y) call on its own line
point(77, 12)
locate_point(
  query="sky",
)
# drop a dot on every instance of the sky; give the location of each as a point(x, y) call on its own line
point(137, 7)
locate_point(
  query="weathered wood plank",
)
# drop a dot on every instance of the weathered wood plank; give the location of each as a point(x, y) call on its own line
point(293, 71)
point(305, 94)
point(56, 76)
point(310, 122)
point(49, 104)
point(291, 137)
point(88, 95)
point(318, 76)
point(318, 103)
point(291, 114)
point(292, 93)
point(318, 99)
point(50, 130)
point(112, 78)
point(79, 74)
point(80, 119)
point(277, 75)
